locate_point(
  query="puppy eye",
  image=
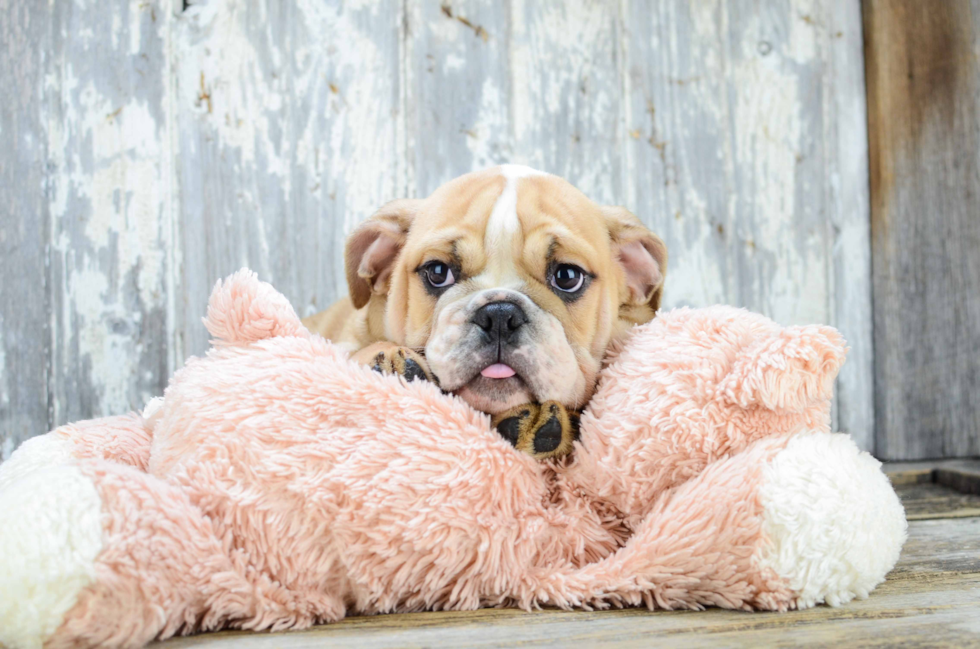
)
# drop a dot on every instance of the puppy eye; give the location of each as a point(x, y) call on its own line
point(438, 274)
point(568, 278)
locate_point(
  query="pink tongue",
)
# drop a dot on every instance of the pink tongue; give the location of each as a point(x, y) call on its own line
point(498, 371)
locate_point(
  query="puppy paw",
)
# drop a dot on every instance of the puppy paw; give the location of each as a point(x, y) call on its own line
point(392, 359)
point(404, 362)
point(542, 431)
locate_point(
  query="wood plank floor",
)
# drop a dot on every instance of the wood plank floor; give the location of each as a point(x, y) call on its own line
point(931, 599)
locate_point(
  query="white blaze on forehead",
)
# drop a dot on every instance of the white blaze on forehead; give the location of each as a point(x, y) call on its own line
point(503, 223)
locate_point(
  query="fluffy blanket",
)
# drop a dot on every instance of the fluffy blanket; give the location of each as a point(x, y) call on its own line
point(277, 485)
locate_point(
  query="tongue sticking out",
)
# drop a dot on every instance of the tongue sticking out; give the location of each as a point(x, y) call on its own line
point(498, 371)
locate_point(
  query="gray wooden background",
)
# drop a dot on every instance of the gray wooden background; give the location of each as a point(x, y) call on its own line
point(148, 149)
point(923, 63)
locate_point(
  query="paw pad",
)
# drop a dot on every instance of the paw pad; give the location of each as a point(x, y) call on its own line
point(542, 431)
point(404, 362)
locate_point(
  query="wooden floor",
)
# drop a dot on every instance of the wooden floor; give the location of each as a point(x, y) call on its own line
point(931, 599)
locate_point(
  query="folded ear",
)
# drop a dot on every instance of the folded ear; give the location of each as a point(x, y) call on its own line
point(641, 254)
point(373, 247)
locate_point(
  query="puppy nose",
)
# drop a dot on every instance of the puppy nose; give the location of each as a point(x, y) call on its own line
point(500, 320)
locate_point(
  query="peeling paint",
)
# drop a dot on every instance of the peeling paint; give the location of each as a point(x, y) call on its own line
point(109, 221)
point(747, 150)
point(300, 133)
point(491, 119)
point(791, 275)
point(566, 96)
point(106, 331)
point(804, 28)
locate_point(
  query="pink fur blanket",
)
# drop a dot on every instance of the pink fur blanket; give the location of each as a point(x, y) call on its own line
point(277, 485)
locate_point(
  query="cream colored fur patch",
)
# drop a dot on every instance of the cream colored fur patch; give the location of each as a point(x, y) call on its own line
point(51, 517)
point(834, 520)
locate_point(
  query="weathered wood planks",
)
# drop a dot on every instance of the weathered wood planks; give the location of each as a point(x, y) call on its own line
point(530, 83)
point(923, 71)
point(24, 299)
point(747, 153)
point(85, 229)
point(187, 141)
point(943, 489)
point(106, 103)
point(287, 121)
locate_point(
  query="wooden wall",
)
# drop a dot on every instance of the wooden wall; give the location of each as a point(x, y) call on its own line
point(923, 63)
point(149, 149)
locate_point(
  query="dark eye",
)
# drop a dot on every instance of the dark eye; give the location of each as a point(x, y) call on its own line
point(438, 274)
point(568, 278)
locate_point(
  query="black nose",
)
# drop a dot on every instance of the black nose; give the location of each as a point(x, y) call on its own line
point(500, 320)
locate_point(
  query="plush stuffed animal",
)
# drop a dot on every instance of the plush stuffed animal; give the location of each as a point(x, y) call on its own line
point(278, 485)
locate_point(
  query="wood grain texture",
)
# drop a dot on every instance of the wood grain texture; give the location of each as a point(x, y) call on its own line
point(24, 298)
point(940, 547)
point(923, 80)
point(746, 152)
point(567, 96)
point(533, 83)
point(931, 500)
point(963, 475)
point(943, 489)
point(287, 122)
point(109, 165)
point(929, 600)
point(458, 87)
point(845, 134)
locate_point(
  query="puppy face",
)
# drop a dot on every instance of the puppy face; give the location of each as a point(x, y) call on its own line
point(512, 281)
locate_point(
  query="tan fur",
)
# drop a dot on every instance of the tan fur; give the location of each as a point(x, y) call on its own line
point(553, 221)
point(349, 327)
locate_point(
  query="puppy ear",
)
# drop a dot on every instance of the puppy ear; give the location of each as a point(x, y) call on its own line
point(641, 254)
point(372, 248)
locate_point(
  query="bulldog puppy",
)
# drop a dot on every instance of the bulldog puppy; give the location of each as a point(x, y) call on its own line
point(506, 287)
